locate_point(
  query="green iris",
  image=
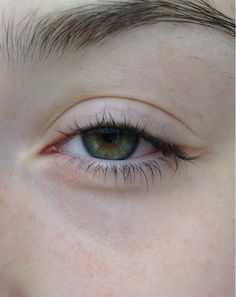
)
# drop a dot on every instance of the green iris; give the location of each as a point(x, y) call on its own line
point(110, 143)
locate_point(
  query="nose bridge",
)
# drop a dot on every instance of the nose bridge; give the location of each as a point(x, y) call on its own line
point(14, 126)
point(10, 147)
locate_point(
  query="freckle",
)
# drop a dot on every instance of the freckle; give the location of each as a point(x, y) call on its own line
point(60, 236)
point(211, 247)
point(188, 242)
point(16, 292)
point(1, 202)
point(145, 247)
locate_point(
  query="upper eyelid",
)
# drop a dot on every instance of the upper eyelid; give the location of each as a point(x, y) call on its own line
point(106, 121)
point(133, 111)
point(137, 101)
point(141, 131)
point(157, 120)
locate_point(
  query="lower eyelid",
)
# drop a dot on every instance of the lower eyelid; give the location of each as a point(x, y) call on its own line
point(127, 175)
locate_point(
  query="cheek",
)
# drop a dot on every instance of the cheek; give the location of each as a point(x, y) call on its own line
point(194, 252)
point(188, 249)
point(41, 254)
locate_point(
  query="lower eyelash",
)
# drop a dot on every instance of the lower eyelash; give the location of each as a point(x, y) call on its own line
point(148, 171)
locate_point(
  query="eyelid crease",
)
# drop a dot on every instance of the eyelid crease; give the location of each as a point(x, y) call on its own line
point(51, 123)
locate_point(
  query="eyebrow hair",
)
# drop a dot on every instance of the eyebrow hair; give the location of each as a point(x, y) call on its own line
point(37, 37)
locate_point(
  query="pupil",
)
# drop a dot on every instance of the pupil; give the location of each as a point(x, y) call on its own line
point(109, 135)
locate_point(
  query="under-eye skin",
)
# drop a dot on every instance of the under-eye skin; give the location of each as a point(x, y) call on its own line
point(118, 149)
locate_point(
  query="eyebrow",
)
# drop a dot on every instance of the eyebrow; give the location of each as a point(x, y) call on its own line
point(37, 37)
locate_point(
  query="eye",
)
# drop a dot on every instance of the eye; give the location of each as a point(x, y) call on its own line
point(121, 149)
point(108, 144)
point(116, 147)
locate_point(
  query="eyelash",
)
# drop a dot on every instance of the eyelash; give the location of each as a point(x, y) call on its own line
point(147, 170)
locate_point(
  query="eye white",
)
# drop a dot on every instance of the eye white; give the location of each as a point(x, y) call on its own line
point(75, 146)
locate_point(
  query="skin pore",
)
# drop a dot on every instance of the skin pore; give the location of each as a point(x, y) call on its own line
point(68, 231)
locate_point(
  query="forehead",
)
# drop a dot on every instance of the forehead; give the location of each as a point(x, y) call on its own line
point(226, 6)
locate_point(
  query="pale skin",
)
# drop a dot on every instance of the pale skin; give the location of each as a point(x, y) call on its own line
point(89, 238)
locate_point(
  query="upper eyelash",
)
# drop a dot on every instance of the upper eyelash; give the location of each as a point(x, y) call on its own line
point(108, 121)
